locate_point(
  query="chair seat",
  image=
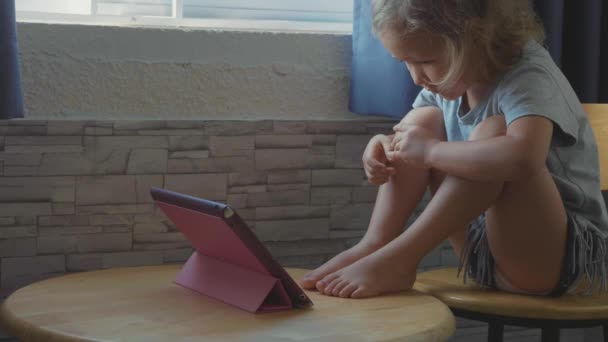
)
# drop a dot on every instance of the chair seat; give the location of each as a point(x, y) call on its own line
point(444, 285)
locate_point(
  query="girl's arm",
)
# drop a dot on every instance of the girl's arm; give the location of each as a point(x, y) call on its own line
point(520, 153)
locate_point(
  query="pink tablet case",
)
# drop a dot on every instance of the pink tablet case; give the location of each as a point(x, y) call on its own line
point(223, 267)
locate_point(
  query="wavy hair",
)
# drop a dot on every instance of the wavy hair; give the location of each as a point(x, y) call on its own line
point(487, 33)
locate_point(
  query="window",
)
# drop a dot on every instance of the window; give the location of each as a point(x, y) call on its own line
point(193, 12)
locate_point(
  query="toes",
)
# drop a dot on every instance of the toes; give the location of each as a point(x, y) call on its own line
point(330, 287)
point(347, 290)
point(322, 284)
point(336, 290)
point(308, 281)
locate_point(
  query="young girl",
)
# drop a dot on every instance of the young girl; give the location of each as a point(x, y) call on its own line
point(501, 140)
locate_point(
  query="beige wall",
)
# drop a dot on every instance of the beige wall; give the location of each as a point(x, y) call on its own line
point(104, 72)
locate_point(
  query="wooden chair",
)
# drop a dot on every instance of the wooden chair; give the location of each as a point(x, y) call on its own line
point(499, 308)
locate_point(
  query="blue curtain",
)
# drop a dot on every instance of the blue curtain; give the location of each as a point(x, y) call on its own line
point(11, 98)
point(380, 84)
point(577, 37)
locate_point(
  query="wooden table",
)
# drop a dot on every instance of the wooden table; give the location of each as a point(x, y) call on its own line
point(143, 304)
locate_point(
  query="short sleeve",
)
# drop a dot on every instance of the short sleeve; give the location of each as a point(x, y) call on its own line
point(425, 99)
point(533, 90)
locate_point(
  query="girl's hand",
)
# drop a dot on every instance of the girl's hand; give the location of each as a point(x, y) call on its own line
point(375, 161)
point(411, 145)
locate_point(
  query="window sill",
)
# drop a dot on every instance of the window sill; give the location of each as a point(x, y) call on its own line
point(190, 24)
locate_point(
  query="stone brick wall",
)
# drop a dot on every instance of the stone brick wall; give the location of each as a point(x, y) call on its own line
point(74, 195)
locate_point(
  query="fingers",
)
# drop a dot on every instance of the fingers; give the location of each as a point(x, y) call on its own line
point(378, 173)
point(386, 143)
point(395, 156)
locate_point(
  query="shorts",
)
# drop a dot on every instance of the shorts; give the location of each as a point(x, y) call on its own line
point(584, 259)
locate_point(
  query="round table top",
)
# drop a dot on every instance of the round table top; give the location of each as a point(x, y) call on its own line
point(143, 304)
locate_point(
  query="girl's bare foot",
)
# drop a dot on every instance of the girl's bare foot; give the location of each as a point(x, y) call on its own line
point(374, 275)
point(360, 250)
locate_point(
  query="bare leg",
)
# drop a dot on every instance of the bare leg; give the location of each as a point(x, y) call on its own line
point(526, 230)
point(457, 239)
point(395, 202)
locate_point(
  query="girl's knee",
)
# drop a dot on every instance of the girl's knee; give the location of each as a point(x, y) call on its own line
point(430, 118)
point(494, 126)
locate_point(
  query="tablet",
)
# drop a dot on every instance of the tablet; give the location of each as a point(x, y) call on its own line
point(217, 231)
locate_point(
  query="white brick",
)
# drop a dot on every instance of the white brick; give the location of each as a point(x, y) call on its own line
point(269, 159)
point(349, 151)
point(57, 244)
point(63, 127)
point(44, 140)
point(17, 247)
point(161, 246)
point(247, 178)
point(288, 187)
point(83, 262)
point(365, 194)
point(147, 161)
point(289, 127)
point(7, 221)
point(338, 177)
point(12, 232)
point(355, 216)
point(289, 177)
point(188, 143)
point(159, 237)
point(209, 186)
point(25, 208)
point(101, 143)
point(20, 171)
point(201, 154)
point(111, 242)
point(274, 199)
point(330, 196)
point(98, 131)
point(13, 267)
point(231, 146)
point(335, 127)
point(211, 165)
point(130, 259)
point(105, 220)
point(92, 162)
point(283, 141)
point(56, 189)
point(106, 190)
point(116, 209)
point(21, 159)
point(63, 208)
point(291, 212)
point(288, 230)
point(43, 148)
point(143, 185)
point(177, 255)
point(149, 228)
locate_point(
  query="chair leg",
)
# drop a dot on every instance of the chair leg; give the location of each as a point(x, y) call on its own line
point(605, 333)
point(550, 334)
point(495, 331)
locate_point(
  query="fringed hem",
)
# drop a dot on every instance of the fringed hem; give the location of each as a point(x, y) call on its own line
point(589, 259)
point(476, 259)
point(586, 266)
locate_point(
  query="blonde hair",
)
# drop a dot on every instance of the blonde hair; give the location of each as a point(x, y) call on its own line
point(487, 33)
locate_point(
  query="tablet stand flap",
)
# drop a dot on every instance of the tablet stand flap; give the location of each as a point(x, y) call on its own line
point(240, 287)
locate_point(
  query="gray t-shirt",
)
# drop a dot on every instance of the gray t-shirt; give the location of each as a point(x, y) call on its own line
point(536, 86)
